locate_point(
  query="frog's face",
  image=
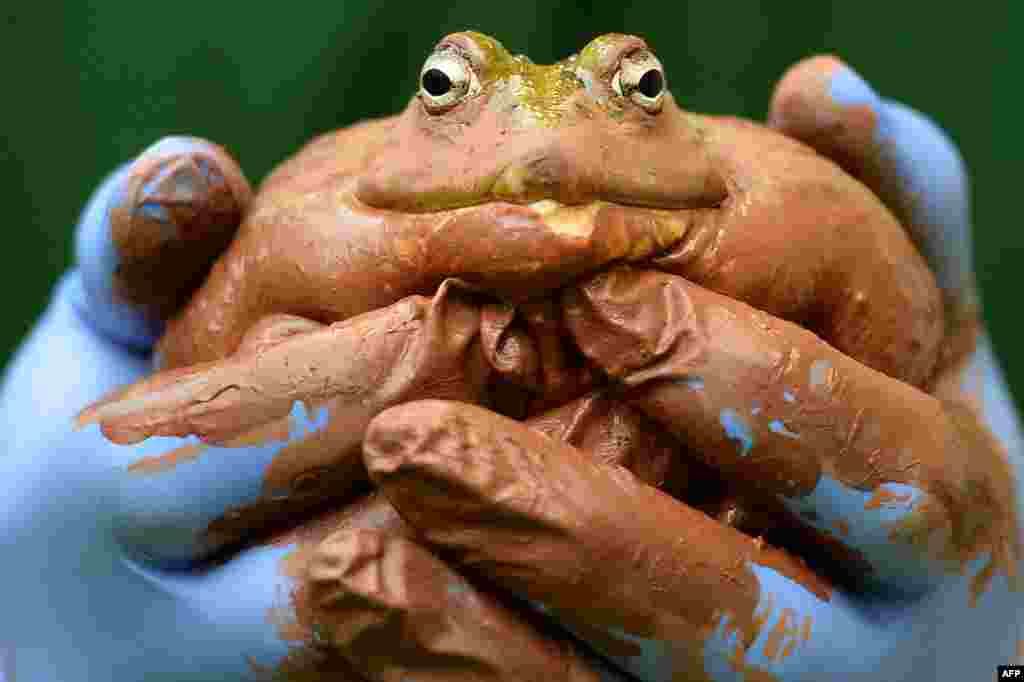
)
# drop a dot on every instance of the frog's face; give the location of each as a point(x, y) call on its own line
point(510, 176)
point(488, 126)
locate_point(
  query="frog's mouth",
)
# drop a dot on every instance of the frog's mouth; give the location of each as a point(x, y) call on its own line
point(516, 251)
point(600, 227)
point(544, 183)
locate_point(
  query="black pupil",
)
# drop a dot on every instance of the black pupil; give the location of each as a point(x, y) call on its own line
point(436, 82)
point(651, 83)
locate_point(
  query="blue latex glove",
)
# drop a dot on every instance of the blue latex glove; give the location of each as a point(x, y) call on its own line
point(102, 590)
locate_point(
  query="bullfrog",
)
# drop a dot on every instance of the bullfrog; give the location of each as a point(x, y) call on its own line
point(519, 178)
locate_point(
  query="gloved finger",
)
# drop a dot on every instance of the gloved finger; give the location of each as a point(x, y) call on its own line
point(370, 355)
point(366, 589)
point(660, 588)
point(914, 485)
point(898, 152)
point(149, 234)
point(280, 423)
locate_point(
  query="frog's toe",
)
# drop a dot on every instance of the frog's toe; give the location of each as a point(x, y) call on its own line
point(183, 200)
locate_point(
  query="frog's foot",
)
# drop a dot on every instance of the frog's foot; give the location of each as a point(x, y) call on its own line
point(182, 200)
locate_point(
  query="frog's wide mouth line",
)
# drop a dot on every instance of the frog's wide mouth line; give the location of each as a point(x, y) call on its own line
point(544, 200)
point(618, 230)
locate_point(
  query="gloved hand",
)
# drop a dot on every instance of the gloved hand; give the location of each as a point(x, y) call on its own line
point(914, 491)
point(356, 586)
point(124, 563)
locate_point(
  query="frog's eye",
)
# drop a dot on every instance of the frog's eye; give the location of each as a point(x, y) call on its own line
point(445, 80)
point(641, 78)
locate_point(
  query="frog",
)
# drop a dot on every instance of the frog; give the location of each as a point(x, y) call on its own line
point(520, 178)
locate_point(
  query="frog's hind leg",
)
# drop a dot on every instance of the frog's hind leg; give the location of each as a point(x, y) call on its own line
point(181, 205)
point(903, 156)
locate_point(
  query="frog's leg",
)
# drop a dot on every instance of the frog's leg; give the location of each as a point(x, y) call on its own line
point(899, 153)
point(180, 207)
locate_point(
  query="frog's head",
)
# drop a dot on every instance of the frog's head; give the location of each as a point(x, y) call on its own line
point(489, 126)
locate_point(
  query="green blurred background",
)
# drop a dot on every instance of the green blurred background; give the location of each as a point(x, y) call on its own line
point(89, 84)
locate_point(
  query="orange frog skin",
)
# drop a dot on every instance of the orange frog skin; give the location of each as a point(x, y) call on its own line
point(519, 178)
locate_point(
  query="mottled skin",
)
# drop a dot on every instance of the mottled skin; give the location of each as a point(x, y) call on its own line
point(546, 174)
